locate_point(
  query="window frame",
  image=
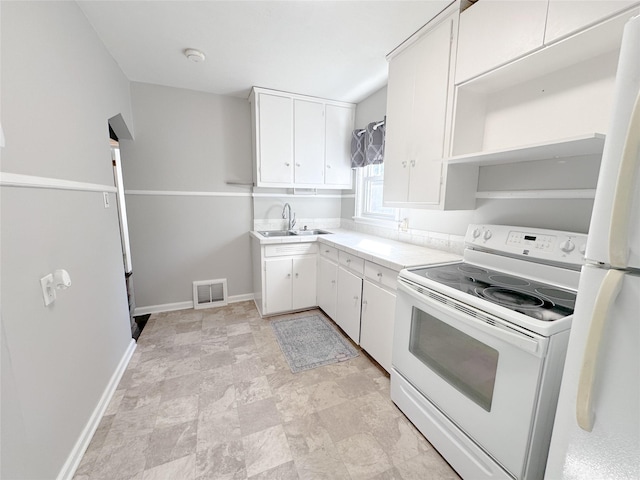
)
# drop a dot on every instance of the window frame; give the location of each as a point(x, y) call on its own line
point(363, 183)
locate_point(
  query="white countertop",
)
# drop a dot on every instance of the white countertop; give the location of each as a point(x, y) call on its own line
point(388, 253)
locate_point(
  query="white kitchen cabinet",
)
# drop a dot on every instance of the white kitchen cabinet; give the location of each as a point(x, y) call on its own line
point(290, 283)
point(349, 303)
point(308, 141)
point(337, 161)
point(328, 280)
point(300, 141)
point(285, 276)
point(378, 313)
point(418, 99)
point(275, 142)
point(565, 17)
point(495, 32)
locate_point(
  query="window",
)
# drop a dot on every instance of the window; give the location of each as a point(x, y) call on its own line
point(369, 184)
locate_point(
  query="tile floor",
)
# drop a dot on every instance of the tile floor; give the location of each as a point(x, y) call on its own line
point(209, 395)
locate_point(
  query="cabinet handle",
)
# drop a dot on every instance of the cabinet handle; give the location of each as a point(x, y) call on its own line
point(404, 164)
point(413, 163)
point(326, 251)
point(333, 281)
point(328, 166)
point(296, 275)
point(364, 304)
point(348, 260)
point(297, 164)
point(379, 274)
point(288, 275)
point(287, 164)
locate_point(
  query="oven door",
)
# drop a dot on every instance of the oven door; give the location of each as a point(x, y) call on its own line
point(482, 373)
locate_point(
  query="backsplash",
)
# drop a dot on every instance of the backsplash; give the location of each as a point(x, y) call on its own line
point(438, 241)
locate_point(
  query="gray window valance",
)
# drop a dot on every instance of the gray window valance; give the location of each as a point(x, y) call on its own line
point(367, 145)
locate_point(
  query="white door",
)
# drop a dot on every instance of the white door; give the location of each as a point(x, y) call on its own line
point(278, 284)
point(614, 233)
point(309, 142)
point(275, 146)
point(399, 139)
point(429, 119)
point(376, 332)
point(304, 282)
point(349, 303)
point(339, 125)
point(481, 372)
point(606, 299)
point(327, 286)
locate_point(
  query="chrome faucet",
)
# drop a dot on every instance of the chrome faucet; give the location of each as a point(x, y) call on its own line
point(291, 221)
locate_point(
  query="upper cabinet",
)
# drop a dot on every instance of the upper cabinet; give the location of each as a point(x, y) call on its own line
point(494, 32)
point(565, 17)
point(300, 141)
point(418, 105)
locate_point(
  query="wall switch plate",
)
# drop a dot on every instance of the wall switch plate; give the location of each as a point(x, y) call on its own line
point(105, 195)
point(48, 289)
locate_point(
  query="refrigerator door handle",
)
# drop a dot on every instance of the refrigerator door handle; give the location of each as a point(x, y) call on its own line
point(609, 290)
point(621, 207)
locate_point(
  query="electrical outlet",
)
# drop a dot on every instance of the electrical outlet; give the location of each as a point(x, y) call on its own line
point(48, 289)
point(105, 195)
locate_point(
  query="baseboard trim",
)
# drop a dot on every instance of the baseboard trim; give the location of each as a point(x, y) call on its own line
point(75, 457)
point(171, 307)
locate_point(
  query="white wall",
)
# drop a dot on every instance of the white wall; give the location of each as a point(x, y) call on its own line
point(186, 223)
point(59, 88)
point(570, 215)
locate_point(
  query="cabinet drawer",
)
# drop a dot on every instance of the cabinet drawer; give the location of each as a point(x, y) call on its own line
point(351, 262)
point(330, 252)
point(284, 249)
point(379, 275)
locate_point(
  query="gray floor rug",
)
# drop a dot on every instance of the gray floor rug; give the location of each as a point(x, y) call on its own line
point(311, 341)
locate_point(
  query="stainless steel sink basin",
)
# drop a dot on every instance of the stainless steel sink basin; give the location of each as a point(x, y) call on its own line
point(277, 233)
point(291, 233)
point(311, 232)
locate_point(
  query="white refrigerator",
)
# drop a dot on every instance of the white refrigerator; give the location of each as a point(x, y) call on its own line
point(597, 425)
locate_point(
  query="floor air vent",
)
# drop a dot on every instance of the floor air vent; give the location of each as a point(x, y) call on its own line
point(210, 293)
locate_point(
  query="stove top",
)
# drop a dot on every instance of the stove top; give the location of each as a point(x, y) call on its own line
point(525, 296)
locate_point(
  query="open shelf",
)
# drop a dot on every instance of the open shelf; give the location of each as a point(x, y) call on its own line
point(591, 144)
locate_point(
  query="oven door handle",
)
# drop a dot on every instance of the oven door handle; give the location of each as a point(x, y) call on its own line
point(515, 338)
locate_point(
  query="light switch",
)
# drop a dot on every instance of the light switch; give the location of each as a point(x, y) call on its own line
point(105, 195)
point(48, 289)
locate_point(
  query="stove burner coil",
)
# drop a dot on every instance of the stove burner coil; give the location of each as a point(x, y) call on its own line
point(508, 280)
point(510, 297)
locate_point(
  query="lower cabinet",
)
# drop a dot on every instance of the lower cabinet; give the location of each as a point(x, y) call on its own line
point(378, 313)
point(349, 303)
point(284, 277)
point(290, 283)
point(327, 285)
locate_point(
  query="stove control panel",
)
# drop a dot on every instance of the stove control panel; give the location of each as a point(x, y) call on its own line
point(542, 244)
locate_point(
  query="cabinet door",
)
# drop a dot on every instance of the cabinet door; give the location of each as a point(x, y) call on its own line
point(430, 113)
point(278, 283)
point(304, 282)
point(337, 157)
point(327, 286)
point(494, 32)
point(378, 313)
point(349, 303)
point(275, 145)
point(565, 17)
point(309, 142)
point(402, 75)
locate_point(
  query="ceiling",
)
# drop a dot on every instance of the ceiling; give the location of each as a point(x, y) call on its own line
point(329, 49)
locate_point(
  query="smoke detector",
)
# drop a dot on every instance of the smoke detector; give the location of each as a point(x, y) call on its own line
point(194, 55)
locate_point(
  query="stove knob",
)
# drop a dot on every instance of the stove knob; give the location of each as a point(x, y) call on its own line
point(487, 234)
point(567, 246)
point(476, 232)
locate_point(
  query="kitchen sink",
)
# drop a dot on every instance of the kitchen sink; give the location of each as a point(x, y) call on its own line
point(277, 233)
point(291, 233)
point(310, 232)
